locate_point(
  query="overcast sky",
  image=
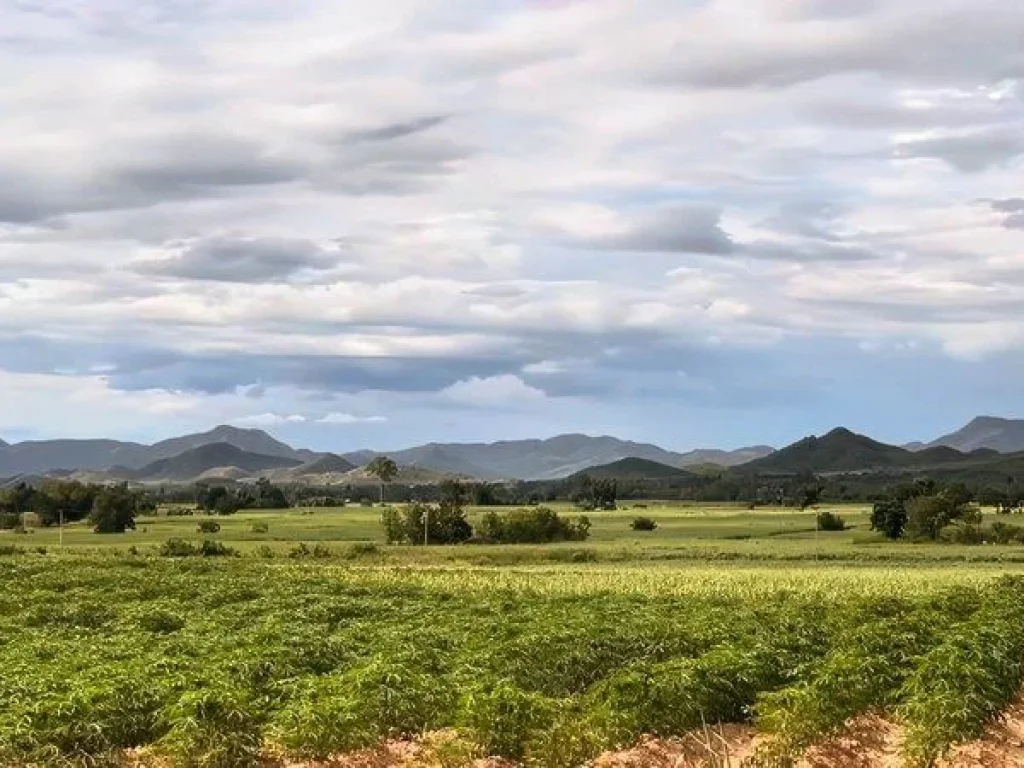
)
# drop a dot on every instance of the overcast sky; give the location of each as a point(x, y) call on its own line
point(381, 223)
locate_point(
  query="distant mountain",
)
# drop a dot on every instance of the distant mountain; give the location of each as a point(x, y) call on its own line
point(633, 469)
point(45, 456)
point(249, 440)
point(329, 463)
point(40, 456)
point(198, 461)
point(1002, 435)
point(550, 459)
point(844, 451)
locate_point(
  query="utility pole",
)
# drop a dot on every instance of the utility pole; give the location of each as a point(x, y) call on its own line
point(426, 525)
point(60, 529)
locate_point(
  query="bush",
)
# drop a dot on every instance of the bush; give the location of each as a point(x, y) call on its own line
point(208, 526)
point(643, 524)
point(535, 525)
point(210, 548)
point(182, 548)
point(829, 521)
point(446, 522)
point(318, 551)
point(9, 521)
point(260, 528)
point(177, 548)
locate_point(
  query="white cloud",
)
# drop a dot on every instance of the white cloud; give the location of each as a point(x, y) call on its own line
point(269, 420)
point(344, 419)
point(506, 390)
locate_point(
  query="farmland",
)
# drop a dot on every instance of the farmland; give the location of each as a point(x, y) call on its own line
point(546, 655)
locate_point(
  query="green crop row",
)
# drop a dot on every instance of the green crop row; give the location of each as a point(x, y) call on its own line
point(215, 663)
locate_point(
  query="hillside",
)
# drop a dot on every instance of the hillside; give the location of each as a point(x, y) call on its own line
point(632, 468)
point(554, 458)
point(196, 462)
point(997, 434)
point(44, 456)
point(248, 440)
point(40, 456)
point(330, 463)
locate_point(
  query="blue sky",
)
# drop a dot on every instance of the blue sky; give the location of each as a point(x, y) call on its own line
point(712, 223)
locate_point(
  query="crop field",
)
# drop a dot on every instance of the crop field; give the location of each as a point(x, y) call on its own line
point(291, 653)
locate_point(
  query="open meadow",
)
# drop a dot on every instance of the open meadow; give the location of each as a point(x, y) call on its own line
point(314, 639)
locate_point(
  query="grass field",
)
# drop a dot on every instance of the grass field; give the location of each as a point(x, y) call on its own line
point(685, 532)
point(543, 654)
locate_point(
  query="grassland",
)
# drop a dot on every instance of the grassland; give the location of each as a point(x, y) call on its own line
point(546, 655)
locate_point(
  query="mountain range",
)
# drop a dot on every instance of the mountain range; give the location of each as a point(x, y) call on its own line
point(232, 453)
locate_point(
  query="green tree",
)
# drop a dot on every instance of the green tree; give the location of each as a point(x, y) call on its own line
point(928, 515)
point(384, 469)
point(114, 510)
point(889, 517)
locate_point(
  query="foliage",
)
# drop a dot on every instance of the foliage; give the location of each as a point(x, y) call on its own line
point(928, 515)
point(830, 521)
point(810, 496)
point(208, 526)
point(114, 509)
point(889, 517)
point(183, 548)
point(445, 523)
point(214, 661)
point(644, 524)
point(533, 525)
point(596, 493)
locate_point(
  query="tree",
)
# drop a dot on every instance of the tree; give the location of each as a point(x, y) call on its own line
point(384, 469)
point(114, 510)
point(810, 496)
point(889, 517)
point(928, 515)
point(446, 524)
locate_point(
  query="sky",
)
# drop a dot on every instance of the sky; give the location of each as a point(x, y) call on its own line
point(376, 224)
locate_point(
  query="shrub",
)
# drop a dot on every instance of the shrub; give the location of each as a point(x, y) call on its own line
point(361, 549)
point(182, 548)
point(535, 525)
point(260, 527)
point(9, 549)
point(319, 551)
point(9, 521)
point(643, 524)
point(210, 548)
point(829, 521)
point(446, 523)
point(208, 526)
point(178, 548)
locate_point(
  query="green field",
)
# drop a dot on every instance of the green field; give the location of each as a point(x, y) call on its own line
point(543, 654)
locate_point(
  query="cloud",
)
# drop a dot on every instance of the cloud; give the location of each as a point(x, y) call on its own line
point(970, 152)
point(268, 420)
point(241, 260)
point(677, 228)
point(344, 419)
point(398, 130)
point(507, 218)
point(495, 391)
